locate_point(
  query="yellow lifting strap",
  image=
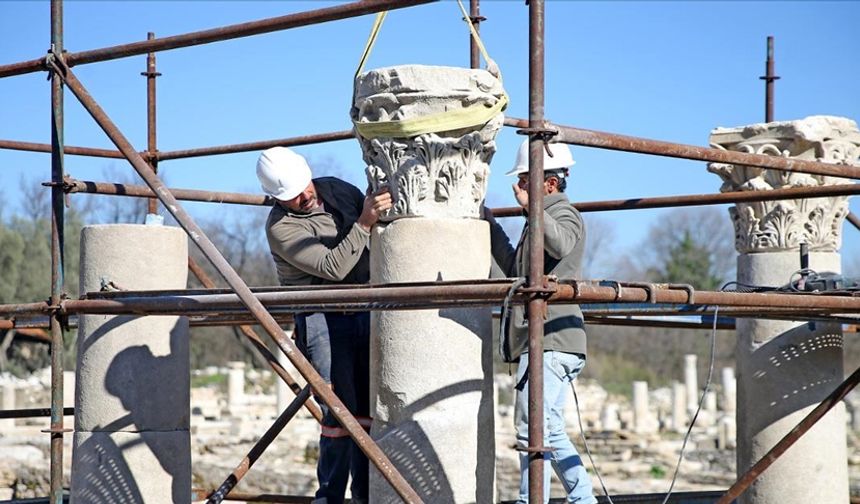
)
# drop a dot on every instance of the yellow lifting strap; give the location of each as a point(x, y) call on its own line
point(432, 123)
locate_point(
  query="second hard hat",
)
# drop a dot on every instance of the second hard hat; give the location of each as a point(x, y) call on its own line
point(283, 173)
point(561, 158)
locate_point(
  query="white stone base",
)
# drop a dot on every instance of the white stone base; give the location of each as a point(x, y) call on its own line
point(431, 370)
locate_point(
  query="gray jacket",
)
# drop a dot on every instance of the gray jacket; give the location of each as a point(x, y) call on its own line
point(325, 246)
point(564, 243)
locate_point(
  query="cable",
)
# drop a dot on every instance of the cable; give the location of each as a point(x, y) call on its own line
point(701, 400)
point(503, 320)
point(585, 443)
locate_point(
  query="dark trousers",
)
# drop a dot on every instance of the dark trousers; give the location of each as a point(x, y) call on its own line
point(338, 346)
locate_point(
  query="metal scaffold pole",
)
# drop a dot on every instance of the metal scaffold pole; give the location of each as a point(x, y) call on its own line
point(151, 144)
point(57, 266)
point(536, 303)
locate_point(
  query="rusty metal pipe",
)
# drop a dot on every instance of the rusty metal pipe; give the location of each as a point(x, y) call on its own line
point(255, 146)
point(853, 219)
point(789, 439)
point(187, 153)
point(68, 149)
point(216, 34)
point(33, 413)
point(536, 304)
point(57, 258)
point(198, 494)
point(320, 388)
point(151, 144)
point(769, 78)
point(475, 16)
point(702, 199)
point(611, 141)
point(442, 294)
point(249, 333)
point(260, 447)
point(39, 308)
point(141, 191)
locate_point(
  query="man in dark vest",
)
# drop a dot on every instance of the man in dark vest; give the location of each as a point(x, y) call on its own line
point(318, 231)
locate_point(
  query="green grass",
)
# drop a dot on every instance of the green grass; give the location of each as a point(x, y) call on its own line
point(216, 380)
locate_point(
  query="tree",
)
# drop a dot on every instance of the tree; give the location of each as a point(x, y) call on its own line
point(689, 262)
point(599, 236)
point(688, 246)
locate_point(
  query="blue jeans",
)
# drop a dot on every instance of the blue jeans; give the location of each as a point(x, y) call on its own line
point(338, 346)
point(559, 370)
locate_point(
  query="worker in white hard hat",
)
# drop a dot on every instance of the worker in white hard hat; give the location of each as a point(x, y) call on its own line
point(318, 232)
point(564, 328)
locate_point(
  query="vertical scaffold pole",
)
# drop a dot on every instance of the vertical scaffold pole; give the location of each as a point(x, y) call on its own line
point(769, 78)
point(536, 303)
point(151, 145)
point(475, 15)
point(57, 223)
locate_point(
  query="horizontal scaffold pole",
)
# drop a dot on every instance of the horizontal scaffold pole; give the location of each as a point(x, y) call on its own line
point(448, 294)
point(611, 141)
point(141, 191)
point(216, 34)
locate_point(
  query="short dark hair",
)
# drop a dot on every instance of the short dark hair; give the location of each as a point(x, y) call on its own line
point(560, 176)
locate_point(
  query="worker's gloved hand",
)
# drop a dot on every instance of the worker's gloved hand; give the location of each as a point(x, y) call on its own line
point(375, 205)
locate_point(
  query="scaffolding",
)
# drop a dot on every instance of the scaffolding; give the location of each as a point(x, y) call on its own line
point(268, 307)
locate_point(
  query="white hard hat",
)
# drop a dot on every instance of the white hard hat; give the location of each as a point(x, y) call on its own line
point(283, 174)
point(561, 158)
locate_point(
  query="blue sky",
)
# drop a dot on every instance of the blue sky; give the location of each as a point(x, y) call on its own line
point(664, 70)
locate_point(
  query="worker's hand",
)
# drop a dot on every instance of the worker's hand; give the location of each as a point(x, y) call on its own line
point(374, 206)
point(521, 195)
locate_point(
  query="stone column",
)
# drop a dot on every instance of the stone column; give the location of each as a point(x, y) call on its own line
point(785, 368)
point(643, 420)
point(235, 387)
point(609, 420)
point(729, 390)
point(679, 407)
point(8, 403)
point(131, 441)
point(284, 395)
point(691, 383)
point(431, 370)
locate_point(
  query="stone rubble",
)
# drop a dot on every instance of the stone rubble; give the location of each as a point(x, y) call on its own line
point(629, 461)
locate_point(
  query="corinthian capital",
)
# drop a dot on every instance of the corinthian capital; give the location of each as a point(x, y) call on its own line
point(433, 174)
point(785, 224)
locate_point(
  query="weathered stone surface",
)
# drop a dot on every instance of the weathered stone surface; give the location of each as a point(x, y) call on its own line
point(431, 370)
point(785, 369)
point(441, 174)
point(136, 467)
point(121, 368)
point(785, 224)
point(133, 382)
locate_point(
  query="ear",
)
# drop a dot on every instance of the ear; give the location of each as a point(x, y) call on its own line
point(551, 184)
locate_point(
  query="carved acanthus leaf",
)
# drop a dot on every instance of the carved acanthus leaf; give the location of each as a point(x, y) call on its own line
point(783, 225)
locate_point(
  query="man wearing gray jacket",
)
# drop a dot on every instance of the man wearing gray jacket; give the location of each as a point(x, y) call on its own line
point(318, 231)
point(564, 329)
